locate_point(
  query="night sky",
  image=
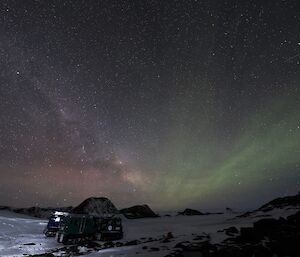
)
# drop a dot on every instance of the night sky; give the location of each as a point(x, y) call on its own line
point(171, 103)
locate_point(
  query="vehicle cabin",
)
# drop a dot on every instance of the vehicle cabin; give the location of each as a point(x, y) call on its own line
point(54, 224)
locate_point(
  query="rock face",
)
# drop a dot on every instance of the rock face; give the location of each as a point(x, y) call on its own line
point(96, 206)
point(138, 211)
point(190, 212)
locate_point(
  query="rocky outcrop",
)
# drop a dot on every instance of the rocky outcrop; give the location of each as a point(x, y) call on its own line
point(190, 212)
point(138, 211)
point(96, 206)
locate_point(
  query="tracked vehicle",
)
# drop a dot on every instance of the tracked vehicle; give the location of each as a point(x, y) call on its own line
point(76, 228)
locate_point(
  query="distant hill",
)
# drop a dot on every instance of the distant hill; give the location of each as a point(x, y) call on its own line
point(281, 202)
point(35, 211)
point(138, 211)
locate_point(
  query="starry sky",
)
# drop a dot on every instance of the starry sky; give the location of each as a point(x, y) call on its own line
point(171, 103)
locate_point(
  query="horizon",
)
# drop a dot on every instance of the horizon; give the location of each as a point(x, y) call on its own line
point(213, 209)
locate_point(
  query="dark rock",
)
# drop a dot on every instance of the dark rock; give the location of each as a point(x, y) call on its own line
point(230, 231)
point(169, 235)
point(133, 242)
point(108, 244)
point(176, 253)
point(138, 211)
point(119, 244)
point(202, 237)
point(183, 245)
point(154, 249)
point(145, 247)
point(43, 255)
point(190, 212)
point(229, 209)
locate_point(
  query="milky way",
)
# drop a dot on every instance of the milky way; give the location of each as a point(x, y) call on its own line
point(170, 103)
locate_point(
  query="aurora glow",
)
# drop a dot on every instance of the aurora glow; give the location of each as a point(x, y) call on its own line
point(186, 104)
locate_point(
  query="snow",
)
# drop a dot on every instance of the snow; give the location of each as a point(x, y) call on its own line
point(17, 230)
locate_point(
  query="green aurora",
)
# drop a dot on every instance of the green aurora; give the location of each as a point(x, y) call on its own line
point(207, 170)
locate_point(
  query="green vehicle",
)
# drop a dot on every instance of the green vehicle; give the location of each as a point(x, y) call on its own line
point(76, 228)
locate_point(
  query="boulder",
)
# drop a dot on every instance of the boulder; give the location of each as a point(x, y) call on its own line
point(231, 231)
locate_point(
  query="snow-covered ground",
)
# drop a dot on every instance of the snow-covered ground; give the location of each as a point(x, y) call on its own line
point(17, 230)
point(21, 234)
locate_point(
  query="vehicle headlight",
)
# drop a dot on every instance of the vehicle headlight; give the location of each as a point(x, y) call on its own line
point(109, 227)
